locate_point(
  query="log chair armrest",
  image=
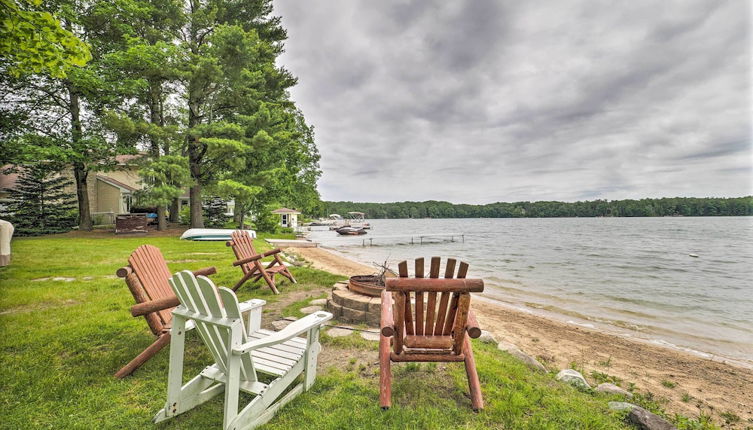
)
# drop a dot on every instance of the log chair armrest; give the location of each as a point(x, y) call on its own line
point(272, 252)
point(471, 325)
point(387, 323)
point(292, 330)
point(154, 306)
point(206, 271)
point(248, 260)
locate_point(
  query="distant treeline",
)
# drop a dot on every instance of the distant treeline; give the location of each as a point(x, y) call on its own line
point(675, 206)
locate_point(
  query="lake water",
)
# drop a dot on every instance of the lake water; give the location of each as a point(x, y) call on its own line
point(682, 282)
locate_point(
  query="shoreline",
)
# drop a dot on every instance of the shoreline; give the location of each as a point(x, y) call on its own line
point(691, 383)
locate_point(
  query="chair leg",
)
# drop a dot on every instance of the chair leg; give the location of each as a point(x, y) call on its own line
point(269, 280)
point(312, 353)
point(385, 373)
point(286, 273)
point(145, 355)
point(243, 280)
point(474, 385)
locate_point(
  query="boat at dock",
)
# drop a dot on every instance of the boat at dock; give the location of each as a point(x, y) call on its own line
point(350, 231)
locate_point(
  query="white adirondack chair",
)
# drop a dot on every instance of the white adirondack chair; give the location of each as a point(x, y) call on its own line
point(240, 353)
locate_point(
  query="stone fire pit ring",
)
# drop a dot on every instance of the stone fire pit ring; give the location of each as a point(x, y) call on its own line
point(366, 284)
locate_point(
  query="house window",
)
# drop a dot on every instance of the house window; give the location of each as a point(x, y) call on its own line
point(127, 203)
point(284, 220)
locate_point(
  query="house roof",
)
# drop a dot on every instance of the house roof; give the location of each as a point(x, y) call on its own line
point(285, 211)
point(115, 183)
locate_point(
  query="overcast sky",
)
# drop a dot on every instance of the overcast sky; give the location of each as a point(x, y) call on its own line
point(484, 101)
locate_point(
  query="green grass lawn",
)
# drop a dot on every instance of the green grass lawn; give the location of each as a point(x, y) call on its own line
point(63, 340)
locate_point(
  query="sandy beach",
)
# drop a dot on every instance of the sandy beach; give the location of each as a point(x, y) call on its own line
point(690, 384)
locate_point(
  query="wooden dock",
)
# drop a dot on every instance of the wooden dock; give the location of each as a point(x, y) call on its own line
point(289, 243)
point(414, 238)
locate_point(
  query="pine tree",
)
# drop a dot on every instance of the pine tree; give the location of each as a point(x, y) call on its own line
point(39, 203)
point(214, 212)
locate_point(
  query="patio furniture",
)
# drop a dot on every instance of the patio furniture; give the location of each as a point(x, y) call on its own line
point(147, 278)
point(438, 330)
point(240, 353)
point(6, 233)
point(251, 264)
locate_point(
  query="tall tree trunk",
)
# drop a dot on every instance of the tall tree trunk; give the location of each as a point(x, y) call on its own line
point(155, 116)
point(194, 157)
point(82, 193)
point(197, 217)
point(161, 220)
point(80, 171)
point(175, 210)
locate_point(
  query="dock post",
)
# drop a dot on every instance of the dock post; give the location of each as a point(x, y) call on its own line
point(422, 239)
point(371, 243)
point(463, 238)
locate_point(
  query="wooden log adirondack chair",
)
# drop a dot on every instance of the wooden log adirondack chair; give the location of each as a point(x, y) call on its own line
point(240, 353)
point(251, 264)
point(147, 278)
point(439, 328)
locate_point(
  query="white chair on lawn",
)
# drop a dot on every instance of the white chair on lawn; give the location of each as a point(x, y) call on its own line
point(240, 353)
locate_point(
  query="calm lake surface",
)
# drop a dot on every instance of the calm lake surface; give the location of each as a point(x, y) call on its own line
point(634, 276)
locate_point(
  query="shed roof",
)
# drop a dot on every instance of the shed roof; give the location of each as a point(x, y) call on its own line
point(285, 211)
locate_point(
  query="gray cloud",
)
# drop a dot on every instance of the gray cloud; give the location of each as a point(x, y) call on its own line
point(482, 101)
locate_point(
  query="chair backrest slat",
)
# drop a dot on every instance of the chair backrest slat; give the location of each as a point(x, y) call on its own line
point(186, 285)
point(233, 310)
point(445, 315)
point(199, 295)
point(243, 247)
point(151, 269)
point(431, 302)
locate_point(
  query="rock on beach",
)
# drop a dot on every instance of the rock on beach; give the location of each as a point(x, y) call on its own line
point(572, 377)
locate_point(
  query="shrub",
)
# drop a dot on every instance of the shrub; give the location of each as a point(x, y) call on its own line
point(39, 203)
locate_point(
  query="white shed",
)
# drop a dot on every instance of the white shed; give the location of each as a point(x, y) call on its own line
point(288, 217)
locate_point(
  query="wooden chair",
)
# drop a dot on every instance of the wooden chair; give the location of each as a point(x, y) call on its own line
point(251, 264)
point(240, 354)
point(438, 330)
point(147, 278)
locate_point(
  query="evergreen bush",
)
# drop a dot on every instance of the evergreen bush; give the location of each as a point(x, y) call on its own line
point(39, 203)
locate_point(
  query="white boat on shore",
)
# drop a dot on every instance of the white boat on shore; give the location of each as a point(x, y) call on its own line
point(212, 234)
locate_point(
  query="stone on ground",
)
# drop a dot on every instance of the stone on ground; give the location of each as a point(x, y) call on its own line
point(572, 377)
point(621, 406)
point(280, 324)
point(608, 388)
point(646, 420)
point(513, 350)
point(507, 346)
point(487, 337)
point(339, 332)
point(320, 302)
point(528, 360)
point(311, 309)
point(370, 335)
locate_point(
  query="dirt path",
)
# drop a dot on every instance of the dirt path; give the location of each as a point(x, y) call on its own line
point(692, 385)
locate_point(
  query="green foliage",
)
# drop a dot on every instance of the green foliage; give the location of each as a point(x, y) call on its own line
point(265, 220)
point(674, 206)
point(185, 215)
point(33, 41)
point(39, 203)
point(165, 179)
